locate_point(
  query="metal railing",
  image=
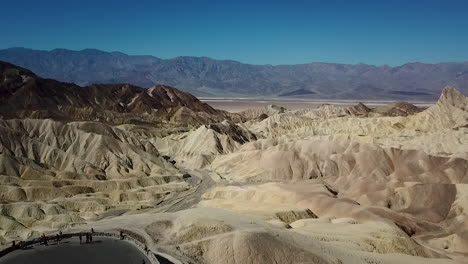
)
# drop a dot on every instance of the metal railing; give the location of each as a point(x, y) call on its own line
point(152, 256)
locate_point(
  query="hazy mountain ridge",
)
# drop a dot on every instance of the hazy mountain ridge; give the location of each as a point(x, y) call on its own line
point(204, 76)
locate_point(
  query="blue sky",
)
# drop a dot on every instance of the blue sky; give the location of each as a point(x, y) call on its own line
point(258, 32)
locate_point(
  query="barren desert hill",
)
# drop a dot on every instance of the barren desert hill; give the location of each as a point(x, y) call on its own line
point(25, 95)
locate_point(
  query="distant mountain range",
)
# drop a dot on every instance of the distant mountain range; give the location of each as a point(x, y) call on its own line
point(208, 77)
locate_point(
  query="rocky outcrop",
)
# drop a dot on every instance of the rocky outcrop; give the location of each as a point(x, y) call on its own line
point(397, 109)
point(198, 148)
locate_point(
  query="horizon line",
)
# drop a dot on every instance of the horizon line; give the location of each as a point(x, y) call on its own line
point(232, 60)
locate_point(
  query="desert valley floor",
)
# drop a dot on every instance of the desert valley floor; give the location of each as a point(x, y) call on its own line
point(327, 184)
point(240, 104)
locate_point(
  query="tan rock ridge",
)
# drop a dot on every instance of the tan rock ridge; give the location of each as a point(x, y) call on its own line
point(54, 174)
point(400, 108)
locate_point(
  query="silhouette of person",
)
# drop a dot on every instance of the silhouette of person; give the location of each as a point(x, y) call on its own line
point(81, 237)
point(44, 239)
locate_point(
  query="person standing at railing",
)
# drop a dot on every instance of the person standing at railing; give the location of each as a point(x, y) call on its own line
point(44, 239)
point(81, 238)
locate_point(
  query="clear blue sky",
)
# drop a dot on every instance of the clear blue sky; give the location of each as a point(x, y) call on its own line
point(259, 32)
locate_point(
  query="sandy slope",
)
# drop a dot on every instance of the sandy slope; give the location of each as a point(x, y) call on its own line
point(219, 236)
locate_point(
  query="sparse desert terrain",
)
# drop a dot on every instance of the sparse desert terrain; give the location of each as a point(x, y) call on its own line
point(239, 104)
point(327, 184)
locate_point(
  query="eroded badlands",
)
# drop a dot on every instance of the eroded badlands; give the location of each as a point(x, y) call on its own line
point(330, 184)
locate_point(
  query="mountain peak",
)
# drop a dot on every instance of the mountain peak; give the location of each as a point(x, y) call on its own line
point(451, 96)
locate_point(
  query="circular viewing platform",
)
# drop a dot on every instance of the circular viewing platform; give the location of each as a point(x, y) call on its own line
point(71, 251)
